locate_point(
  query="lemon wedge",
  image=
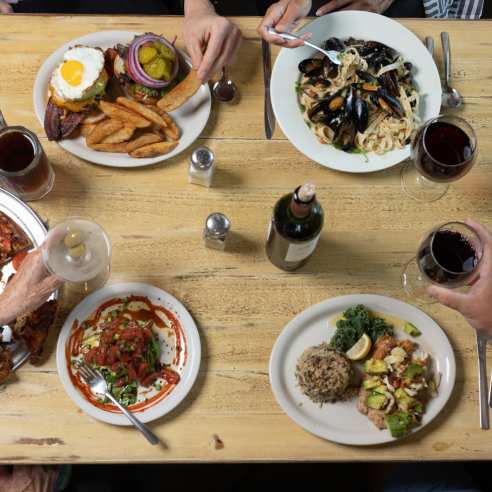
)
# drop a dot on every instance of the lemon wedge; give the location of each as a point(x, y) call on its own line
point(361, 348)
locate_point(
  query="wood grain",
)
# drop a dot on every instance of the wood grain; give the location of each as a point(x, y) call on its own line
point(239, 300)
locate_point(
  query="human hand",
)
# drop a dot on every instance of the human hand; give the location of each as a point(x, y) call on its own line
point(284, 16)
point(30, 287)
point(212, 41)
point(27, 478)
point(5, 8)
point(475, 305)
point(378, 6)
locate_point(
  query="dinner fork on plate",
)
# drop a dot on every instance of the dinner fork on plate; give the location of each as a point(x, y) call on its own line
point(98, 385)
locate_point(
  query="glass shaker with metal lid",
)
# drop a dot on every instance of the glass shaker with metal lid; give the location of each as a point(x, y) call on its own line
point(217, 227)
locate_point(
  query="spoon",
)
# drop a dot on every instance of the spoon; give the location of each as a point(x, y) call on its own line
point(451, 98)
point(332, 55)
point(224, 89)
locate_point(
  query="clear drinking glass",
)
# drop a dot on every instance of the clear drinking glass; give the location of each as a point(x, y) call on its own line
point(449, 255)
point(24, 168)
point(443, 150)
point(79, 252)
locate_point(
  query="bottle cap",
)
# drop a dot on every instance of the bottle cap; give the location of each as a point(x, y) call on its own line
point(202, 158)
point(306, 192)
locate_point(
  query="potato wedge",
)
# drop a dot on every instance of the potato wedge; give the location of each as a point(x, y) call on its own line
point(86, 129)
point(129, 118)
point(146, 139)
point(119, 148)
point(154, 149)
point(122, 135)
point(146, 111)
point(178, 95)
point(94, 117)
point(102, 130)
point(171, 131)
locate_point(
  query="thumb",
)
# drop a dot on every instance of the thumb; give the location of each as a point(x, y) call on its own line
point(447, 297)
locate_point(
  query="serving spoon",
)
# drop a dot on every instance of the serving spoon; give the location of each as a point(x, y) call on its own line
point(451, 98)
point(332, 55)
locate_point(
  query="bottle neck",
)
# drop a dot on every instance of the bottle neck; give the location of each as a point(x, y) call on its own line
point(301, 209)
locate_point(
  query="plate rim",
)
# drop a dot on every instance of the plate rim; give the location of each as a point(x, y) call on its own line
point(296, 323)
point(91, 302)
point(99, 157)
point(276, 104)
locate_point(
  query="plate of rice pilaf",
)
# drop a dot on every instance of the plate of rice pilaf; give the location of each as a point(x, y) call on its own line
point(400, 385)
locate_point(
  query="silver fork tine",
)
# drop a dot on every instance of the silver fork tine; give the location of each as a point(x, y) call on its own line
point(91, 370)
point(85, 373)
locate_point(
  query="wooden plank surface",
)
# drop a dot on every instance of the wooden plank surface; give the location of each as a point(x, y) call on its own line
point(239, 300)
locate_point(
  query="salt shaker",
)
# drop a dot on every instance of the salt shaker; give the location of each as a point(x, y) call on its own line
point(201, 168)
point(216, 230)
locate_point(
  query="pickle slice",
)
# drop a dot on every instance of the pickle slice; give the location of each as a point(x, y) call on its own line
point(156, 68)
point(164, 51)
point(146, 54)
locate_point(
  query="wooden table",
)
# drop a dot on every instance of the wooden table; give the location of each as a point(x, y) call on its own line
point(239, 300)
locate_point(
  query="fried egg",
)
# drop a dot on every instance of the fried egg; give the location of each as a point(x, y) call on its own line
point(78, 72)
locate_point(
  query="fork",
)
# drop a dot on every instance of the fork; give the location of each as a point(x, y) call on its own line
point(98, 384)
point(482, 380)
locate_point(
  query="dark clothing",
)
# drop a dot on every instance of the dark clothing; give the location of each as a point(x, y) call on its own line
point(401, 8)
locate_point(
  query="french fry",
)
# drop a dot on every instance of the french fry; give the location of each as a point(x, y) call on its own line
point(145, 111)
point(122, 135)
point(120, 113)
point(178, 95)
point(154, 149)
point(102, 130)
point(171, 131)
point(119, 148)
point(86, 129)
point(94, 117)
point(145, 139)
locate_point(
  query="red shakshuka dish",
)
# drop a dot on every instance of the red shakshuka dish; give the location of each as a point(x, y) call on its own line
point(138, 347)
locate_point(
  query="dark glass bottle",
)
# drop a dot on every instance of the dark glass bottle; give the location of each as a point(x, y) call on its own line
point(295, 228)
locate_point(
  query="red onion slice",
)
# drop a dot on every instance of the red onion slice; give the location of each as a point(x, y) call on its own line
point(135, 70)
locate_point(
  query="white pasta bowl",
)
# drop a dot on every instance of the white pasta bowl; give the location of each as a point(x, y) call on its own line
point(365, 26)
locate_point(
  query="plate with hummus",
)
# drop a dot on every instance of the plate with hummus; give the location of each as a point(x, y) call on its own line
point(362, 369)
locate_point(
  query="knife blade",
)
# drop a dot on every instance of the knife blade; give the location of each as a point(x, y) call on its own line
point(482, 381)
point(267, 72)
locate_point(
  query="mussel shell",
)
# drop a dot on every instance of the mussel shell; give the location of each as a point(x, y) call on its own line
point(312, 67)
point(360, 115)
point(389, 81)
point(350, 102)
point(391, 102)
point(334, 44)
point(345, 138)
point(330, 70)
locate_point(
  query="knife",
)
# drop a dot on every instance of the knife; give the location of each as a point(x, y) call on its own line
point(482, 381)
point(267, 72)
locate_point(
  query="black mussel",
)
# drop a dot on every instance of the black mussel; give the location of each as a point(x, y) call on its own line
point(335, 120)
point(318, 112)
point(360, 114)
point(389, 81)
point(408, 66)
point(369, 82)
point(330, 70)
point(334, 44)
point(312, 67)
point(354, 42)
point(371, 47)
point(345, 137)
point(349, 102)
point(390, 104)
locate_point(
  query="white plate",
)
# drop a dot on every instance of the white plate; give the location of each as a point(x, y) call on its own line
point(341, 422)
point(366, 26)
point(27, 220)
point(188, 375)
point(191, 117)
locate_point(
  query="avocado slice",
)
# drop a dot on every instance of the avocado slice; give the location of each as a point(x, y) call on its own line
point(413, 370)
point(370, 383)
point(375, 366)
point(376, 401)
point(405, 401)
point(412, 330)
point(398, 424)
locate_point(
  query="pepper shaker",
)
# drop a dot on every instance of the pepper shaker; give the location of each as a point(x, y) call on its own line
point(217, 227)
point(201, 168)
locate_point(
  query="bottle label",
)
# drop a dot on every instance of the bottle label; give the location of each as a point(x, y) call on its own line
point(299, 252)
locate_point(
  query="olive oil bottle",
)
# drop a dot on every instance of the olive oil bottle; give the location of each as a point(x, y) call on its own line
point(295, 228)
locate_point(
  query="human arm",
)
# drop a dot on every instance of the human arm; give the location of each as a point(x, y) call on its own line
point(30, 287)
point(378, 6)
point(476, 304)
point(5, 8)
point(211, 40)
point(284, 16)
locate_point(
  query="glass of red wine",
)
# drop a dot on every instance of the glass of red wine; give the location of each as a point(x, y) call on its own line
point(449, 256)
point(443, 150)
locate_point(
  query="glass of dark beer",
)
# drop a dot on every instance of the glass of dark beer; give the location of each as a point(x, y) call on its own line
point(24, 167)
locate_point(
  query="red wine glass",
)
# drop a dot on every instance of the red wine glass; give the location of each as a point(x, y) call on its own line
point(448, 256)
point(444, 149)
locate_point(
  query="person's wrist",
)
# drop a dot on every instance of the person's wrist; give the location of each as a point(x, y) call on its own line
point(201, 7)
